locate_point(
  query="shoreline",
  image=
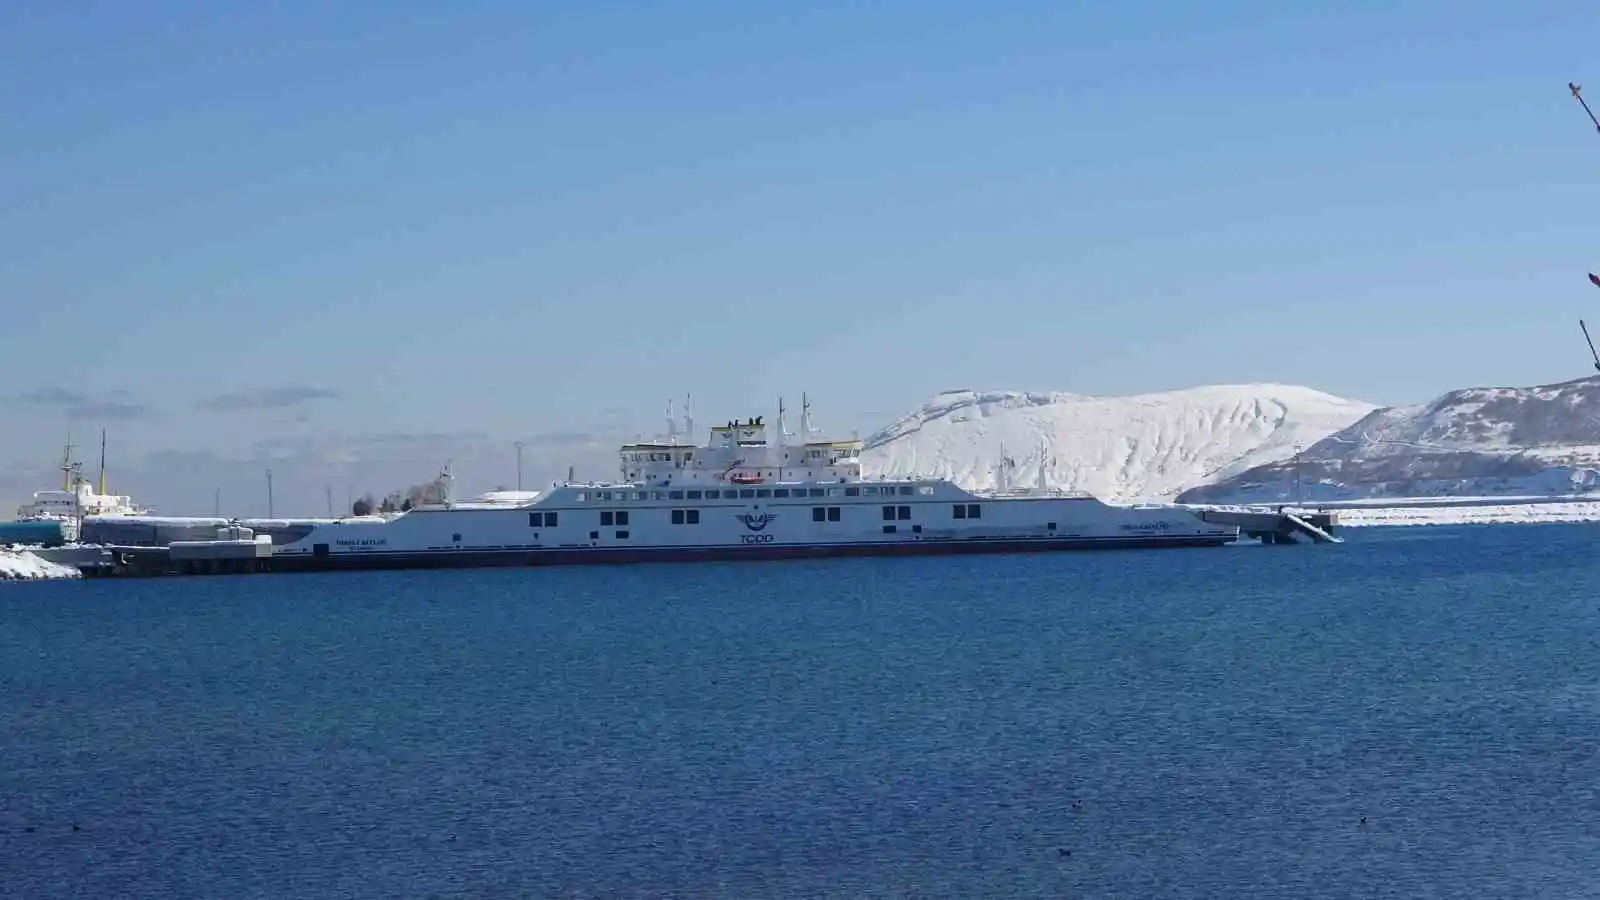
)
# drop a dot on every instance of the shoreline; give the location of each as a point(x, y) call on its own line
point(1516, 513)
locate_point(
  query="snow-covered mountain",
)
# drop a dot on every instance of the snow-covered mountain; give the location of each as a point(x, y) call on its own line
point(1121, 449)
point(1473, 442)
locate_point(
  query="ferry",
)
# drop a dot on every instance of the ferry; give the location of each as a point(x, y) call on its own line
point(742, 495)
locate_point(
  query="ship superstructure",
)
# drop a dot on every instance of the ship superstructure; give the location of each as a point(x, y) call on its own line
point(54, 516)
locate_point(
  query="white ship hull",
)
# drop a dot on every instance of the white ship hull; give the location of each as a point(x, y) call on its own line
point(593, 524)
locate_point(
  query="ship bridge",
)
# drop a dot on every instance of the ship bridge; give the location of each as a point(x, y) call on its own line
point(741, 452)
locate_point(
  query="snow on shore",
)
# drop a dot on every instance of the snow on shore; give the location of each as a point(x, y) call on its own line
point(20, 565)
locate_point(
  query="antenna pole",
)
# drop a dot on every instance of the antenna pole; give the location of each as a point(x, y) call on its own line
point(1579, 97)
point(1590, 342)
point(269, 494)
point(519, 465)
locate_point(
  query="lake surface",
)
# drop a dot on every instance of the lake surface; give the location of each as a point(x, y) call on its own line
point(1193, 723)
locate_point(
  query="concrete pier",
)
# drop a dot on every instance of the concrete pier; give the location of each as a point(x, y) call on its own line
point(222, 557)
point(1281, 525)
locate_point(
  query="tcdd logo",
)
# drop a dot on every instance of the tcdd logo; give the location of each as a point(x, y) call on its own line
point(756, 521)
point(756, 538)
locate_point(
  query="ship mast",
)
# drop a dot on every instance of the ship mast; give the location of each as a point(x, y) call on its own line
point(102, 462)
point(1003, 470)
point(66, 464)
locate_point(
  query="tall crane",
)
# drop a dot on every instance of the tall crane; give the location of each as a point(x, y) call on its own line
point(1577, 94)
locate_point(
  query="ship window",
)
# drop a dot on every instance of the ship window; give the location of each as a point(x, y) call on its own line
point(711, 495)
point(549, 520)
point(888, 529)
point(916, 529)
point(870, 492)
point(905, 511)
point(819, 514)
point(974, 511)
point(833, 514)
point(888, 514)
point(581, 496)
point(781, 492)
point(852, 492)
point(622, 517)
point(607, 518)
point(763, 494)
point(692, 495)
point(674, 495)
point(959, 510)
point(925, 490)
point(657, 495)
point(535, 520)
point(638, 495)
point(905, 490)
point(594, 535)
point(622, 535)
point(747, 493)
point(456, 537)
point(833, 492)
point(677, 517)
point(602, 495)
point(1051, 526)
point(694, 516)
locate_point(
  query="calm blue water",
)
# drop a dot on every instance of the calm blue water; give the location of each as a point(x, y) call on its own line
point(910, 728)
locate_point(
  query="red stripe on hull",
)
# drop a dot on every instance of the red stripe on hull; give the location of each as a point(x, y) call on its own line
point(467, 559)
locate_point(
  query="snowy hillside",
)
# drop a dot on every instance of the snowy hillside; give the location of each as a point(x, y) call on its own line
point(1121, 449)
point(1478, 441)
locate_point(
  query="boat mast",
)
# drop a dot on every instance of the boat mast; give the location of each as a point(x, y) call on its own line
point(102, 462)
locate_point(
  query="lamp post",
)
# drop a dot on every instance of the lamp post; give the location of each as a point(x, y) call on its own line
point(1298, 449)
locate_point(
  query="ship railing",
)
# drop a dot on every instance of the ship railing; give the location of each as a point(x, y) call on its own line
point(1023, 492)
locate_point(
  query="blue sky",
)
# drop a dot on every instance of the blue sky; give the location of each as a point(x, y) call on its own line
point(429, 226)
